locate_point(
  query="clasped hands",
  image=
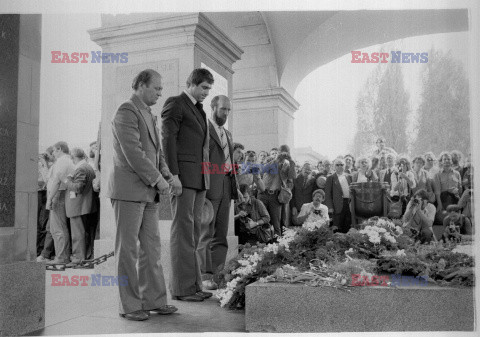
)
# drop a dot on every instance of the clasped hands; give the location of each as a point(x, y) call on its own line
point(171, 185)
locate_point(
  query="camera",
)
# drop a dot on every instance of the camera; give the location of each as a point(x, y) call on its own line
point(416, 201)
point(317, 212)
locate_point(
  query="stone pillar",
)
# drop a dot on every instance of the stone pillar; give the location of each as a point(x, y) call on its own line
point(172, 44)
point(22, 286)
point(263, 118)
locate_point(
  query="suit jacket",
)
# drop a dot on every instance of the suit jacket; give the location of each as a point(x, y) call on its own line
point(382, 173)
point(217, 157)
point(81, 185)
point(334, 193)
point(302, 191)
point(185, 139)
point(137, 155)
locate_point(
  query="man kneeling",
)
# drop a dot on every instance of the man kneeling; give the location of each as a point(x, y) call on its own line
point(419, 216)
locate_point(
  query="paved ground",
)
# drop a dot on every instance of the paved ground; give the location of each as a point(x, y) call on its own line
point(93, 310)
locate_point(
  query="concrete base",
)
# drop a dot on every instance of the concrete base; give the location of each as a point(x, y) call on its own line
point(22, 300)
point(280, 307)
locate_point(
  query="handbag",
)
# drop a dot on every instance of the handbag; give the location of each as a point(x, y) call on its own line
point(264, 233)
point(285, 194)
point(395, 209)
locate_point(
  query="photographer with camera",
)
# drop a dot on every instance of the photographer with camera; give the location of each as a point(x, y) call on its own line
point(419, 217)
point(252, 221)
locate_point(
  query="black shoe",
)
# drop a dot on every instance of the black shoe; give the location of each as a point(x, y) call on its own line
point(189, 298)
point(204, 294)
point(165, 310)
point(138, 315)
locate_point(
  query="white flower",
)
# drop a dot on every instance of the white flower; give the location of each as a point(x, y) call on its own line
point(401, 252)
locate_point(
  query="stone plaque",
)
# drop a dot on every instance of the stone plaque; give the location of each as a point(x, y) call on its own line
point(9, 49)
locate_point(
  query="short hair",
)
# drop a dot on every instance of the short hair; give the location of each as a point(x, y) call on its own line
point(406, 160)
point(214, 101)
point(458, 153)
point(284, 148)
point(443, 154)
point(49, 150)
point(322, 192)
point(422, 194)
point(431, 154)
point(362, 158)
point(338, 159)
point(349, 155)
point(93, 143)
point(78, 153)
point(453, 208)
point(198, 76)
point(274, 148)
point(145, 76)
point(419, 158)
point(266, 153)
point(306, 163)
point(244, 188)
point(62, 146)
point(390, 154)
point(238, 146)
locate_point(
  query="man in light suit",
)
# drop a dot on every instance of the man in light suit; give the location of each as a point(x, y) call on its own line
point(185, 139)
point(139, 174)
point(337, 197)
point(79, 203)
point(213, 244)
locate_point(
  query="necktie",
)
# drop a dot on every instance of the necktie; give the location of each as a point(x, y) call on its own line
point(199, 107)
point(226, 151)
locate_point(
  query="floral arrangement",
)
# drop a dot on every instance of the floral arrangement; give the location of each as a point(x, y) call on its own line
point(316, 256)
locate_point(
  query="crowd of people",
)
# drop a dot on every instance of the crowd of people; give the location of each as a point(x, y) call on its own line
point(181, 159)
point(422, 192)
point(68, 204)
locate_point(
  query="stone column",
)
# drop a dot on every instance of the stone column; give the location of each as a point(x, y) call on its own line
point(172, 44)
point(263, 118)
point(22, 285)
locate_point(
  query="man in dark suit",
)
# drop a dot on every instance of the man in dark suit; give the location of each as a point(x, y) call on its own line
point(79, 203)
point(185, 139)
point(139, 174)
point(337, 197)
point(213, 245)
point(303, 186)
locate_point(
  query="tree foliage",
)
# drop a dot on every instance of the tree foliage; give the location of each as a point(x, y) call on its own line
point(382, 109)
point(444, 112)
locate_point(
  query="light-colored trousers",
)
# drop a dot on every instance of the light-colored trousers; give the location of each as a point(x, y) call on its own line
point(59, 229)
point(77, 227)
point(185, 278)
point(138, 222)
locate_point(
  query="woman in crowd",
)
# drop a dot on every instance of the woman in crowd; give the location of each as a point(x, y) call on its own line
point(447, 183)
point(364, 171)
point(422, 179)
point(403, 181)
point(430, 164)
